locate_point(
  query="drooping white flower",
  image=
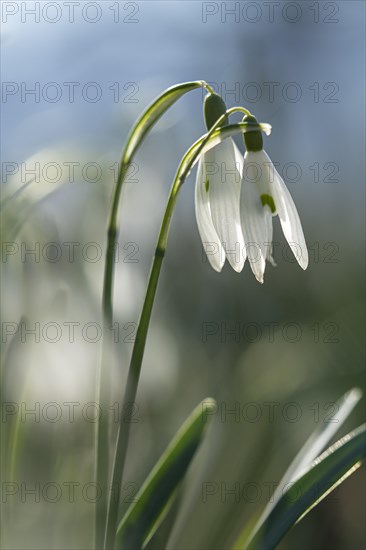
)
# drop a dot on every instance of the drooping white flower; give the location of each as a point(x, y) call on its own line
point(264, 195)
point(217, 205)
point(217, 196)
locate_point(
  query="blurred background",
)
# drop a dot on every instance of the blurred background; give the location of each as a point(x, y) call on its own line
point(75, 77)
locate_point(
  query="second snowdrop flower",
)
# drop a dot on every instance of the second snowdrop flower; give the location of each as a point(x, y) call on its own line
point(263, 195)
point(217, 196)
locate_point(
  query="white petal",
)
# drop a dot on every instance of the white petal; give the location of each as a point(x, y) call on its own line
point(255, 228)
point(209, 237)
point(239, 159)
point(289, 218)
point(258, 168)
point(223, 174)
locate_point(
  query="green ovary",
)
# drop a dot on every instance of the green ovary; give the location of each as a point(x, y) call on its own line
point(268, 200)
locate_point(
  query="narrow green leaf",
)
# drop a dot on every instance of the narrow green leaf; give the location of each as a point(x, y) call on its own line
point(325, 474)
point(157, 493)
point(316, 444)
point(320, 438)
point(152, 114)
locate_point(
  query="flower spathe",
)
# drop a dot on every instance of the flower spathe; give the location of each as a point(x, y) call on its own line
point(217, 205)
point(264, 195)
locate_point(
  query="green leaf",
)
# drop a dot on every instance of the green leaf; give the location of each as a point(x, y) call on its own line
point(152, 114)
point(325, 474)
point(157, 493)
point(315, 444)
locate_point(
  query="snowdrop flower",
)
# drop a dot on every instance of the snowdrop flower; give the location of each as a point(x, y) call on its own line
point(264, 195)
point(217, 196)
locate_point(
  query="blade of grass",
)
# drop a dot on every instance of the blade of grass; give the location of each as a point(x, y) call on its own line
point(323, 476)
point(160, 536)
point(316, 443)
point(157, 493)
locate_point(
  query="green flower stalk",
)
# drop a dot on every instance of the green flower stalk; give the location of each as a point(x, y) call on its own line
point(207, 142)
point(150, 116)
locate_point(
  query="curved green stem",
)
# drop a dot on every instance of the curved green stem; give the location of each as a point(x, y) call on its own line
point(150, 116)
point(209, 88)
point(138, 350)
point(243, 110)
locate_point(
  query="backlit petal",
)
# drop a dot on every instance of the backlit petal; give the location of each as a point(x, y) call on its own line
point(209, 237)
point(255, 228)
point(223, 174)
point(289, 218)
